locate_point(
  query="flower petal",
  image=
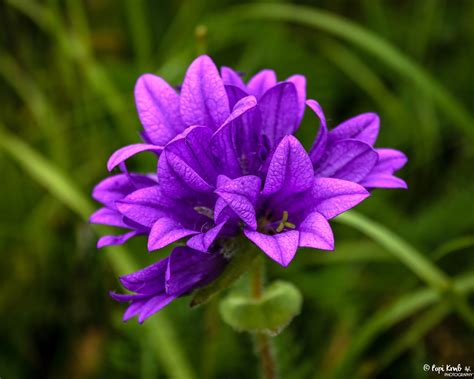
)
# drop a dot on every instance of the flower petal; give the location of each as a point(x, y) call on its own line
point(193, 147)
point(280, 113)
point(230, 77)
point(147, 281)
point(235, 141)
point(290, 169)
point(166, 231)
point(115, 240)
point(300, 84)
point(383, 181)
point(347, 159)
point(334, 196)
point(241, 196)
point(381, 176)
point(203, 241)
point(320, 141)
point(316, 232)
point(178, 179)
point(261, 82)
point(145, 206)
point(189, 269)
point(203, 96)
point(154, 305)
point(364, 127)
point(158, 109)
point(390, 160)
point(121, 155)
point(234, 94)
point(116, 187)
point(280, 247)
point(107, 216)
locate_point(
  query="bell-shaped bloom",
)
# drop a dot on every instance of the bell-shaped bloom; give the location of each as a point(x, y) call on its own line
point(108, 192)
point(230, 168)
point(279, 206)
point(164, 113)
point(176, 275)
point(348, 152)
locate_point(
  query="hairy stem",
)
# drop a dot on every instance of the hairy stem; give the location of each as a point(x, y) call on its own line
point(262, 340)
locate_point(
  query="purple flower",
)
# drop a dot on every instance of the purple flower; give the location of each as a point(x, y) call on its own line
point(347, 152)
point(230, 168)
point(160, 283)
point(108, 192)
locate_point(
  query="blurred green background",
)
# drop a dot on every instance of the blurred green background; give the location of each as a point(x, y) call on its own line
point(397, 292)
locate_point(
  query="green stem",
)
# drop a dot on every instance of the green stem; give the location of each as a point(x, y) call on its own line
point(262, 340)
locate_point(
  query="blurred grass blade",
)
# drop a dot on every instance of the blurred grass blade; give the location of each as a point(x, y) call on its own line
point(365, 39)
point(361, 74)
point(163, 338)
point(411, 335)
point(412, 258)
point(39, 106)
point(386, 318)
point(406, 253)
point(452, 246)
point(77, 49)
point(54, 180)
point(139, 27)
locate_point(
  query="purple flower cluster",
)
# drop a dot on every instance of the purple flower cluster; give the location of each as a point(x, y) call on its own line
point(229, 168)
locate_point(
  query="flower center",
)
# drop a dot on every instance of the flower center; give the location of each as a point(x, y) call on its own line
point(272, 227)
point(205, 211)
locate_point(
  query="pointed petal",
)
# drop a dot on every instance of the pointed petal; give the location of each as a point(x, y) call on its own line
point(334, 196)
point(107, 216)
point(193, 147)
point(364, 127)
point(241, 196)
point(234, 94)
point(381, 176)
point(390, 160)
point(347, 159)
point(383, 181)
point(261, 82)
point(203, 96)
point(225, 141)
point(133, 309)
point(230, 77)
point(300, 84)
point(316, 232)
point(279, 109)
point(320, 142)
point(158, 108)
point(115, 240)
point(145, 206)
point(203, 241)
point(178, 179)
point(290, 169)
point(166, 231)
point(280, 247)
point(189, 269)
point(147, 281)
point(154, 305)
point(121, 155)
point(116, 187)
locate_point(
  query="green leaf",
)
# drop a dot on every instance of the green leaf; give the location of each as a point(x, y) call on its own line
point(271, 313)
